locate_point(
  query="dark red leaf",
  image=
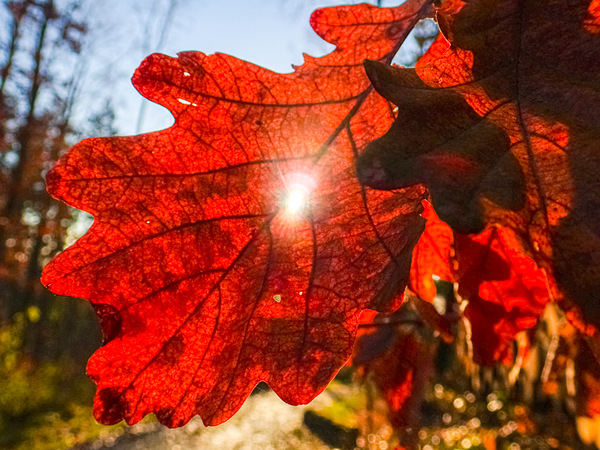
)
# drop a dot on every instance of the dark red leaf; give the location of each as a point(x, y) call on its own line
point(401, 374)
point(376, 334)
point(501, 123)
point(205, 279)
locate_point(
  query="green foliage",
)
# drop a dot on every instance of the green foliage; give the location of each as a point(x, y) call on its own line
point(43, 405)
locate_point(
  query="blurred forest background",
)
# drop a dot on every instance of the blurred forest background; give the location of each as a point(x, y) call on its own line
point(65, 67)
point(44, 341)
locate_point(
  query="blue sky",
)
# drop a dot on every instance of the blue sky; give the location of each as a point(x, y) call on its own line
point(271, 33)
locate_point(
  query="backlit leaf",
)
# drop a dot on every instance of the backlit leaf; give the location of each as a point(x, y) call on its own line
point(237, 245)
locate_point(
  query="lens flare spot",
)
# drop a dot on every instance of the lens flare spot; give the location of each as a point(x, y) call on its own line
point(297, 196)
point(296, 201)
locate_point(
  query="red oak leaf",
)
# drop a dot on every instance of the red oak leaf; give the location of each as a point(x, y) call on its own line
point(237, 245)
point(505, 289)
point(501, 123)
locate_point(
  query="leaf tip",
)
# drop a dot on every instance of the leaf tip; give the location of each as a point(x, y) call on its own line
point(109, 406)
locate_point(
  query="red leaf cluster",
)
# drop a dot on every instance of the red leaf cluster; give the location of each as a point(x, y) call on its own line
point(505, 291)
point(499, 120)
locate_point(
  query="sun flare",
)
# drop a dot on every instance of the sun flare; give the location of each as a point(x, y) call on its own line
point(296, 201)
point(298, 189)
